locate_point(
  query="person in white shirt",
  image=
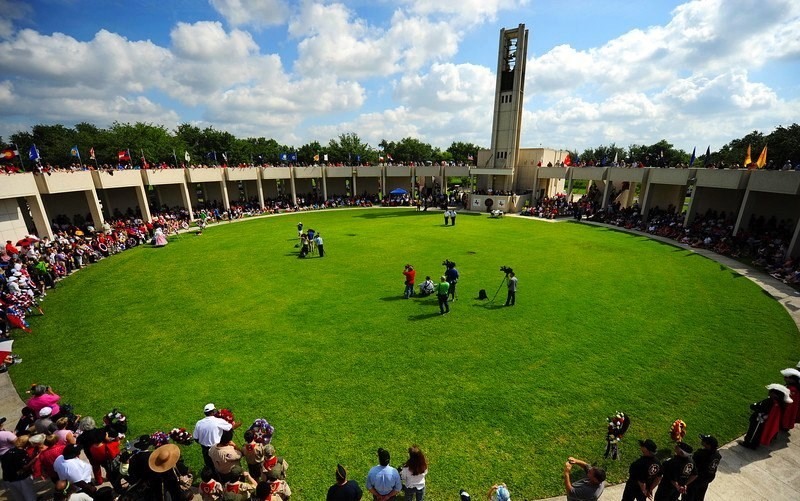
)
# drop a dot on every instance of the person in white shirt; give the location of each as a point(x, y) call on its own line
point(73, 469)
point(208, 432)
point(413, 474)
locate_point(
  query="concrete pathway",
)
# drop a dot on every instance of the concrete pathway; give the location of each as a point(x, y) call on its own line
point(767, 474)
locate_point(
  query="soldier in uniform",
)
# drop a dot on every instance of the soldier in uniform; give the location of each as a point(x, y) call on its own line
point(644, 474)
point(706, 461)
point(677, 471)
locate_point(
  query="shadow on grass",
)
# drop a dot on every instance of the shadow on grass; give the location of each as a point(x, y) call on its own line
point(384, 215)
point(393, 298)
point(490, 306)
point(424, 316)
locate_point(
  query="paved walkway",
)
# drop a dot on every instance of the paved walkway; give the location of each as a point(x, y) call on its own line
point(767, 474)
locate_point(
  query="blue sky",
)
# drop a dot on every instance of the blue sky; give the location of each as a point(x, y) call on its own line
point(695, 73)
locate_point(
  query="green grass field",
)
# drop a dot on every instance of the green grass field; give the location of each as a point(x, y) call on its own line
point(329, 352)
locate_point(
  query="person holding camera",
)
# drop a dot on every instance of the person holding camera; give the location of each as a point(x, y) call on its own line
point(511, 300)
point(588, 488)
point(451, 274)
point(410, 275)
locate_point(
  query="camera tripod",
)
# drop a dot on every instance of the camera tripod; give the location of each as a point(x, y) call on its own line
point(498, 289)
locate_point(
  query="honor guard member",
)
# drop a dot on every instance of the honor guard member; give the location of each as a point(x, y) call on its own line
point(677, 470)
point(644, 474)
point(706, 460)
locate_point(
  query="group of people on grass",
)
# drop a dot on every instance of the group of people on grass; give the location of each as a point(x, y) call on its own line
point(445, 289)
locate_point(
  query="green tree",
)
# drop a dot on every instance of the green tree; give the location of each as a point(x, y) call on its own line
point(461, 152)
point(348, 147)
point(410, 149)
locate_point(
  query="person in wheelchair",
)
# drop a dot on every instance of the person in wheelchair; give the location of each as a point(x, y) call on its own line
point(427, 287)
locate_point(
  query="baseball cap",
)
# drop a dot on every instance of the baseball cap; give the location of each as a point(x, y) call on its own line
point(684, 447)
point(209, 408)
point(710, 440)
point(649, 445)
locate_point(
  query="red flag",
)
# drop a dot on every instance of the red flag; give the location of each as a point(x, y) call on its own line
point(567, 160)
point(124, 156)
point(5, 349)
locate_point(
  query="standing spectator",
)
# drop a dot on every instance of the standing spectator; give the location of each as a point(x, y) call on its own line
point(73, 469)
point(413, 474)
point(240, 486)
point(44, 424)
point(273, 464)
point(43, 396)
point(253, 454)
point(452, 278)
point(511, 299)
point(210, 489)
point(47, 458)
point(792, 379)
point(766, 417)
point(644, 474)
point(383, 481)
point(225, 455)
point(446, 217)
point(410, 275)
point(208, 432)
point(7, 438)
point(453, 217)
point(677, 471)
point(706, 461)
point(343, 489)
point(441, 293)
point(588, 488)
point(319, 242)
point(16, 472)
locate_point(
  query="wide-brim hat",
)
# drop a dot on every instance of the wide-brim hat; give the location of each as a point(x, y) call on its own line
point(164, 458)
point(782, 389)
point(790, 373)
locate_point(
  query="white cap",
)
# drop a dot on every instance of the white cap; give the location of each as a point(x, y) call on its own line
point(45, 411)
point(209, 408)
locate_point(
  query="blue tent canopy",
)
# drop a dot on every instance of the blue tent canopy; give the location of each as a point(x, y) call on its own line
point(398, 191)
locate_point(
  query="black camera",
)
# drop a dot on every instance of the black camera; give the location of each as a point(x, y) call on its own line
point(448, 263)
point(506, 269)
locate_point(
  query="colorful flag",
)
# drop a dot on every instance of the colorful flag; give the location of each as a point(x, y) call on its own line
point(694, 156)
point(747, 159)
point(74, 151)
point(358, 159)
point(293, 157)
point(8, 154)
point(124, 156)
point(470, 158)
point(91, 153)
point(567, 160)
point(707, 159)
point(762, 158)
point(33, 153)
point(186, 156)
point(17, 318)
point(316, 158)
point(144, 161)
point(284, 157)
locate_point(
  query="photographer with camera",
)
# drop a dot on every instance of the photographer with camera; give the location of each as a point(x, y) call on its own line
point(410, 275)
point(589, 487)
point(451, 274)
point(511, 300)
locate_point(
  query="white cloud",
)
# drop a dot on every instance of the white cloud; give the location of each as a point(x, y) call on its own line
point(448, 87)
point(334, 39)
point(469, 11)
point(252, 12)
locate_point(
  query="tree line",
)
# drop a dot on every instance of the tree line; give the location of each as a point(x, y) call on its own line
point(157, 144)
point(782, 144)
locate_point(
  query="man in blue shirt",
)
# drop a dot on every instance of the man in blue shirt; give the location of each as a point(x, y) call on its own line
point(383, 481)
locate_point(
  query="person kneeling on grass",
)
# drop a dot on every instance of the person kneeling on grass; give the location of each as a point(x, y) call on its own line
point(588, 488)
point(427, 287)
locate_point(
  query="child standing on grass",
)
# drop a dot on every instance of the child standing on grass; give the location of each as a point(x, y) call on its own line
point(254, 454)
point(210, 489)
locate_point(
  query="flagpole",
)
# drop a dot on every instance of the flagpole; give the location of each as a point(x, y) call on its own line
point(19, 154)
point(175, 156)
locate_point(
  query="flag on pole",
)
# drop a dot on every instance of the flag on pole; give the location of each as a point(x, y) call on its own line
point(325, 157)
point(8, 154)
point(616, 157)
point(762, 158)
point(225, 156)
point(187, 156)
point(293, 157)
point(389, 157)
point(747, 159)
point(74, 151)
point(144, 161)
point(33, 153)
point(91, 153)
point(707, 159)
point(316, 158)
point(284, 157)
point(694, 156)
point(380, 159)
point(470, 158)
point(567, 160)
point(358, 159)
point(124, 156)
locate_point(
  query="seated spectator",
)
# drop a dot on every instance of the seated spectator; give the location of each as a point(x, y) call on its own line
point(427, 287)
point(43, 396)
